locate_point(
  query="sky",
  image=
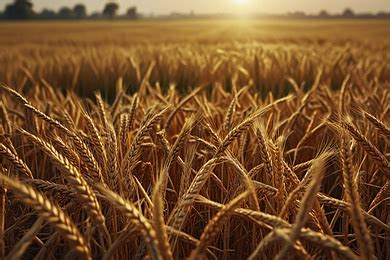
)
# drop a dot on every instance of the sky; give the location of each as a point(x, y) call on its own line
point(221, 6)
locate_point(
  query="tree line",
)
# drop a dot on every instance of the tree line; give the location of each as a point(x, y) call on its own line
point(23, 10)
point(347, 13)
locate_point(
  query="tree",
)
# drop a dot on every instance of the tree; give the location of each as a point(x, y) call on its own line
point(297, 14)
point(324, 14)
point(383, 15)
point(47, 14)
point(65, 13)
point(111, 9)
point(348, 13)
point(132, 13)
point(95, 15)
point(80, 11)
point(20, 9)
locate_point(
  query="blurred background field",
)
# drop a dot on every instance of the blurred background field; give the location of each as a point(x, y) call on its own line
point(92, 55)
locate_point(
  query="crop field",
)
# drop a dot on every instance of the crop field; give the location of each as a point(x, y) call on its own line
point(198, 139)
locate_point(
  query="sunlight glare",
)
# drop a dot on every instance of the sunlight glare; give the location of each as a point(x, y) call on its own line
point(241, 2)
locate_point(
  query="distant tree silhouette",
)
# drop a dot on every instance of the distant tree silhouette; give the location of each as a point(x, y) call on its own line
point(132, 13)
point(383, 15)
point(47, 14)
point(65, 13)
point(110, 9)
point(20, 9)
point(297, 14)
point(348, 13)
point(95, 15)
point(323, 14)
point(80, 11)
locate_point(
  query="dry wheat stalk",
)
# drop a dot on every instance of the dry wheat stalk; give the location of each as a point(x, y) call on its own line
point(112, 159)
point(102, 111)
point(96, 139)
point(158, 220)
point(344, 206)
point(264, 243)
point(81, 147)
point(67, 151)
point(5, 119)
point(227, 122)
point(52, 214)
point(215, 225)
point(3, 193)
point(135, 216)
point(381, 126)
point(133, 109)
point(369, 148)
point(181, 104)
point(16, 161)
point(305, 206)
point(274, 235)
point(381, 195)
point(85, 154)
point(244, 125)
point(363, 234)
point(124, 122)
point(75, 179)
point(20, 248)
point(134, 151)
point(177, 219)
point(274, 221)
point(264, 152)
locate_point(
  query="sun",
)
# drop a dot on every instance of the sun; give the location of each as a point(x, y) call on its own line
point(241, 2)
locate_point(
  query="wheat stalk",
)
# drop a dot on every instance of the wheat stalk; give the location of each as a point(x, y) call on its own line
point(352, 195)
point(274, 221)
point(215, 225)
point(305, 206)
point(75, 179)
point(16, 161)
point(135, 216)
point(51, 213)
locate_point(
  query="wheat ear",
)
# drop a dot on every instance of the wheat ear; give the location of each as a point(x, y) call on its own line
point(381, 126)
point(5, 119)
point(180, 212)
point(344, 206)
point(136, 217)
point(75, 178)
point(158, 219)
point(352, 195)
point(369, 148)
point(305, 207)
point(86, 155)
point(181, 104)
point(270, 221)
point(51, 213)
point(215, 225)
point(15, 160)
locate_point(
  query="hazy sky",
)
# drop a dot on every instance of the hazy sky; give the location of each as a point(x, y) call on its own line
point(222, 6)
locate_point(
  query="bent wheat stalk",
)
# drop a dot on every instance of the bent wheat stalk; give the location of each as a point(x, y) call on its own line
point(305, 206)
point(51, 213)
point(76, 180)
point(136, 217)
point(215, 225)
point(363, 235)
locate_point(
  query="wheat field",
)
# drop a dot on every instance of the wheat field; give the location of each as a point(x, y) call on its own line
point(195, 139)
